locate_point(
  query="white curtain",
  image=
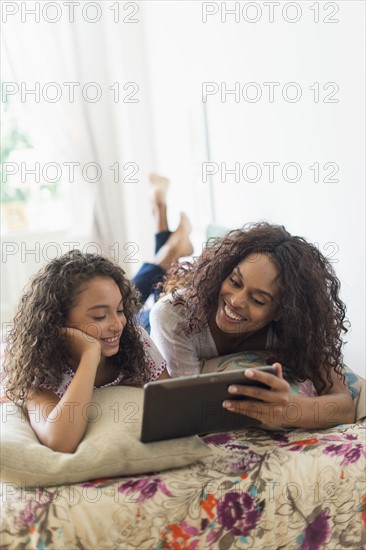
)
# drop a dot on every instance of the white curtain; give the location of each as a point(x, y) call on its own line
point(84, 131)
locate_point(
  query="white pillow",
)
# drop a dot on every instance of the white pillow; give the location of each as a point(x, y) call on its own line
point(111, 445)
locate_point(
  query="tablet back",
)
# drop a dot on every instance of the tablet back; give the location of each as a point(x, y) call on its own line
point(193, 405)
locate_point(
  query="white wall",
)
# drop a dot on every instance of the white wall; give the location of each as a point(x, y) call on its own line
point(183, 52)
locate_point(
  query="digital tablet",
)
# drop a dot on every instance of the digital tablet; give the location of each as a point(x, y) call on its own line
point(193, 405)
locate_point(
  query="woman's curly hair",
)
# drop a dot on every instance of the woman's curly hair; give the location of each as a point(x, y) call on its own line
point(312, 316)
point(36, 349)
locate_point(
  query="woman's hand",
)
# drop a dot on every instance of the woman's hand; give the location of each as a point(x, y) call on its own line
point(273, 404)
point(80, 343)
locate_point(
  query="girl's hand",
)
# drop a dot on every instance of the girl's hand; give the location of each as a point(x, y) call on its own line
point(80, 343)
point(272, 407)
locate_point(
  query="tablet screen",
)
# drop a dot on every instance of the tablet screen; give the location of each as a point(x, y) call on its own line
point(190, 405)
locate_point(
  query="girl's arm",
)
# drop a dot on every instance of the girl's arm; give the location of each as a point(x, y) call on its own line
point(164, 375)
point(279, 408)
point(155, 359)
point(61, 423)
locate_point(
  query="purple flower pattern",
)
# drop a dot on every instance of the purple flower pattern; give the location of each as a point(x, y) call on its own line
point(239, 512)
point(351, 453)
point(317, 532)
point(233, 512)
point(143, 489)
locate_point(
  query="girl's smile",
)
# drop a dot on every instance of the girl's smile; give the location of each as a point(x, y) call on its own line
point(111, 341)
point(98, 312)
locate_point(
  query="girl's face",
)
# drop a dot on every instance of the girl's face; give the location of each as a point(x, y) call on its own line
point(248, 299)
point(98, 312)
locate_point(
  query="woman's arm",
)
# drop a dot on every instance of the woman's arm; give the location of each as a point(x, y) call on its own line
point(61, 423)
point(278, 407)
point(178, 349)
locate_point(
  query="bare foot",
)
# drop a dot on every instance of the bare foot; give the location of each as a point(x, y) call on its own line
point(180, 237)
point(159, 188)
point(177, 246)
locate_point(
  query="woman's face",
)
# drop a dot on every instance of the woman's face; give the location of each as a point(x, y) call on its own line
point(249, 297)
point(98, 312)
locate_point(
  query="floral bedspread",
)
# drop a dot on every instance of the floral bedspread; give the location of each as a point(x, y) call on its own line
point(259, 489)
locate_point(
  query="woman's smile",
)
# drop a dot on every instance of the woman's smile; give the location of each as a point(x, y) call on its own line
point(232, 315)
point(248, 296)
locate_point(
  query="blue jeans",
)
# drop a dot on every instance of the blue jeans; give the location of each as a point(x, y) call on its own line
point(147, 277)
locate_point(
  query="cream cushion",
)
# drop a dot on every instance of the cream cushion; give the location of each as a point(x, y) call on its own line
point(110, 447)
point(253, 359)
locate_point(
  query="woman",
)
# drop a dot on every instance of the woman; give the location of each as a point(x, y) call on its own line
point(260, 288)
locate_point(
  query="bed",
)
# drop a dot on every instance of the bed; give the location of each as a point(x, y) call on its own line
point(252, 489)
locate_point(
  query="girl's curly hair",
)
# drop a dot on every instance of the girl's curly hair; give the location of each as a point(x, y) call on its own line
point(36, 349)
point(312, 316)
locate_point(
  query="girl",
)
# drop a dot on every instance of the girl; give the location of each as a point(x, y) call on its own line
point(75, 330)
point(260, 288)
